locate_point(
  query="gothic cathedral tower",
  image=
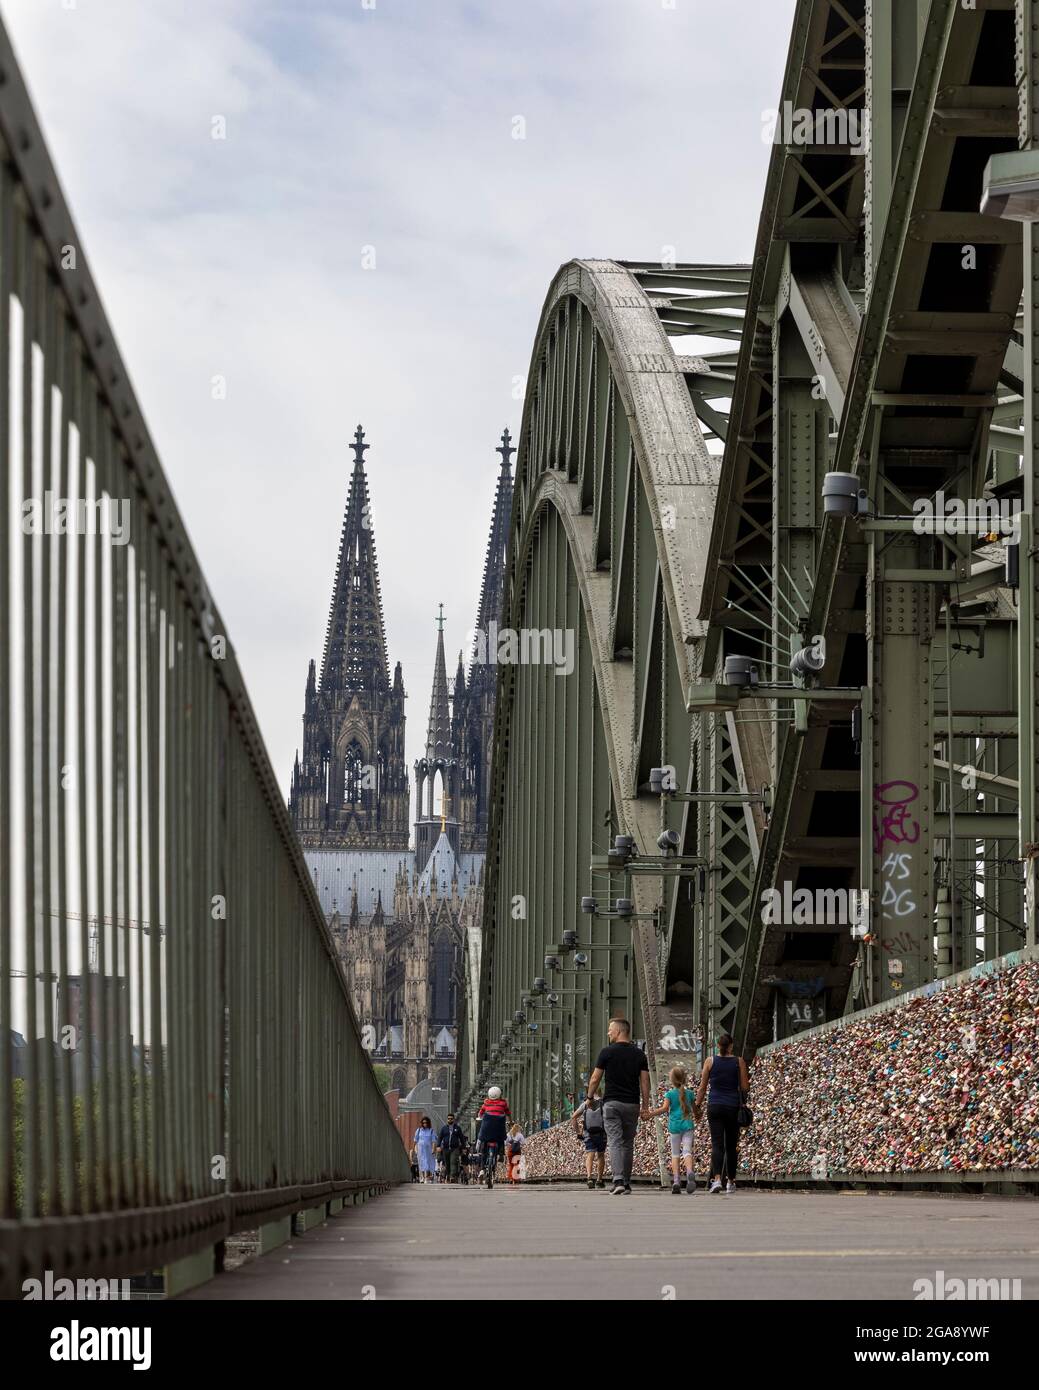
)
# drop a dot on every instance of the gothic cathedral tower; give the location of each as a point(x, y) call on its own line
point(473, 712)
point(351, 789)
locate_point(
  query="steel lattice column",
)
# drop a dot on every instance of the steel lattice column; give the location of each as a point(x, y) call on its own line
point(900, 629)
point(730, 880)
point(1027, 15)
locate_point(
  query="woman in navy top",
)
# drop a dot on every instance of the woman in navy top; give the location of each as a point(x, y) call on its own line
point(723, 1079)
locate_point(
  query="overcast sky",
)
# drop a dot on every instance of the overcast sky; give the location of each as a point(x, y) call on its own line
point(385, 124)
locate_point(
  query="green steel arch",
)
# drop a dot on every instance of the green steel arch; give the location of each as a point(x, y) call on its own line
point(885, 338)
point(614, 496)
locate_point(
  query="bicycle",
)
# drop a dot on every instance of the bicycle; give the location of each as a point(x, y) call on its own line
point(490, 1160)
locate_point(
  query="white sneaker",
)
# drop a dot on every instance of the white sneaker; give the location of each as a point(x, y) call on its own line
point(716, 1186)
point(730, 1188)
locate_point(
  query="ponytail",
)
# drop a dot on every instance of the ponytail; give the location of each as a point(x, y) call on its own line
point(678, 1079)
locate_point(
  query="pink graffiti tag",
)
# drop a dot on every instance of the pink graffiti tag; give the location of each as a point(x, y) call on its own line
point(897, 826)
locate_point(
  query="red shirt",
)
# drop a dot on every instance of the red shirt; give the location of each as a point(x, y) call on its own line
point(495, 1108)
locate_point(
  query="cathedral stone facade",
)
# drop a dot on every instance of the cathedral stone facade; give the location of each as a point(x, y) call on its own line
point(405, 919)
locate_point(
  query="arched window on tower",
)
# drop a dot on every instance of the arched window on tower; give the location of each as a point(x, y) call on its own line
point(353, 783)
point(475, 769)
point(443, 984)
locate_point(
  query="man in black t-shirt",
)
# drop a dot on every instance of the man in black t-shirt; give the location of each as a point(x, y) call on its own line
point(627, 1092)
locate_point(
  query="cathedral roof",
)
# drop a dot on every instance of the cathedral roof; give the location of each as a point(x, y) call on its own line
point(392, 1042)
point(441, 867)
point(338, 873)
point(355, 641)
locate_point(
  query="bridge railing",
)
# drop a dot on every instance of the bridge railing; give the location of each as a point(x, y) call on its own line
point(179, 1057)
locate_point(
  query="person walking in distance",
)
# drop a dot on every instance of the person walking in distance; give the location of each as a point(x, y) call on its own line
point(627, 1094)
point(725, 1081)
point(425, 1145)
point(514, 1142)
point(450, 1142)
point(680, 1107)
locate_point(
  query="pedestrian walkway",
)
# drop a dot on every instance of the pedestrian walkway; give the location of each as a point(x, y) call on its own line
point(562, 1241)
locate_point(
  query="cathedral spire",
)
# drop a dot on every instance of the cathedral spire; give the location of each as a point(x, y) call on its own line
point(355, 641)
point(439, 743)
point(492, 588)
point(351, 790)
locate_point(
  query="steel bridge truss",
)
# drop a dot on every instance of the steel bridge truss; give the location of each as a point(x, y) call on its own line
point(669, 507)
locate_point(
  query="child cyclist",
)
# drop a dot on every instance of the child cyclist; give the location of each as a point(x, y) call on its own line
point(493, 1116)
point(680, 1107)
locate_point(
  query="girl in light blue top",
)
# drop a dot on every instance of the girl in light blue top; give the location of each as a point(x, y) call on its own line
point(680, 1107)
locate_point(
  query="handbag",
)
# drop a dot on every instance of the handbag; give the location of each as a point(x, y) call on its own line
point(744, 1114)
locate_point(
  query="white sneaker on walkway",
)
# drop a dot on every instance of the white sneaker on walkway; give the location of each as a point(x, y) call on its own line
point(716, 1186)
point(730, 1188)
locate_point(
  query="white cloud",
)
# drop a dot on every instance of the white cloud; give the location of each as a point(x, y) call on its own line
point(390, 127)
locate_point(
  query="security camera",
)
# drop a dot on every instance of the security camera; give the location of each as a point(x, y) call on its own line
point(540, 984)
point(552, 998)
point(519, 1016)
point(806, 662)
point(657, 778)
point(668, 841)
point(843, 496)
point(588, 906)
point(569, 940)
point(1013, 564)
point(623, 849)
point(553, 963)
point(1010, 186)
point(581, 958)
point(740, 671)
point(624, 907)
point(532, 1027)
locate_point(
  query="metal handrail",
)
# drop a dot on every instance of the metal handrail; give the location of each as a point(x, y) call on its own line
point(179, 1055)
